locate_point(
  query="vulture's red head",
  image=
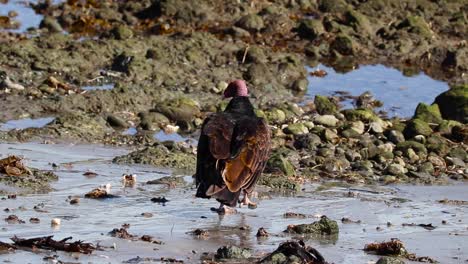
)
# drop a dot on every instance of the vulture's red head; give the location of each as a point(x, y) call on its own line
point(236, 88)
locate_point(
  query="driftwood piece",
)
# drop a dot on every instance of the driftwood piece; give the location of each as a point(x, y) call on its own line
point(48, 243)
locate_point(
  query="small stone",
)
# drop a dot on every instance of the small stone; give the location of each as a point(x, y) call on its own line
point(122, 32)
point(232, 252)
point(343, 44)
point(389, 260)
point(376, 127)
point(396, 136)
point(420, 138)
point(310, 29)
point(324, 106)
point(326, 120)
point(116, 122)
point(358, 126)
point(330, 136)
point(300, 85)
point(251, 22)
point(51, 24)
point(396, 169)
point(412, 156)
point(75, 201)
point(296, 129)
point(55, 222)
point(426, 167)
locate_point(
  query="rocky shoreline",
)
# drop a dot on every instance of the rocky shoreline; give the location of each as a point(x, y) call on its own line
point(169, 61)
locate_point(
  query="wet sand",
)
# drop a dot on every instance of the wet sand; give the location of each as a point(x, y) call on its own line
point(91, 220)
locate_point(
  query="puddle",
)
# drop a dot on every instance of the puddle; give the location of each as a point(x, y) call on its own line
point(130, 131)
point(91, 220)
point(108, 86)
point(163, 136)
point(400, 94)
point(26, 15)
point(25, 123)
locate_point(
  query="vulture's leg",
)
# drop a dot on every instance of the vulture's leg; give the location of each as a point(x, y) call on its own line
point(224, 209)
point(246, 201)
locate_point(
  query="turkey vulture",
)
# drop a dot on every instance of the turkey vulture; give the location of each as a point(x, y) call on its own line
point(232, 151)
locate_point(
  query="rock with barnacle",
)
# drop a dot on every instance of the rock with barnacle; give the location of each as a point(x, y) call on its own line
point(129, 179)
point(100, 193)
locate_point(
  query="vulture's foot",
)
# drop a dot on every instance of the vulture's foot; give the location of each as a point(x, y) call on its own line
point(246, 201)
point(224, 210)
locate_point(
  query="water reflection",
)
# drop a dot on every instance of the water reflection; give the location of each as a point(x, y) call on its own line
point(399, 93)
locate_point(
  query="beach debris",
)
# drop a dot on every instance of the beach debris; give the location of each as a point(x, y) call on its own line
point(124, 234)
point(296, 250)
point(293, 215)
point(318, 73)
point(90, 174)
point(161, 200)
point(425, 226)
point(121, 233)
point(55, 222)
point(13, 219)
point(395, 247)
point(129, 180)
point(101, 193)
point(6, 247)
point(50, 244)
point(346, 220)
point(75, 200)
point(262, 232)
point(34, 220)
point(324, 226)
point(453, 202)
point(13, 166)
point(199, 233)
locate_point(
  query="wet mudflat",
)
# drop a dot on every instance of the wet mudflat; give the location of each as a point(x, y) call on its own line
point(382, 211)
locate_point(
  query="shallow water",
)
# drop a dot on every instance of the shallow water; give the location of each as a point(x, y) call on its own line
point(107, 86)
point(91, 220)
point(400, 94)
point(25, 123)
point(26, 15)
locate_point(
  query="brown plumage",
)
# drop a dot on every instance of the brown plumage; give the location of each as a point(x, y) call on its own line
point(232, 150)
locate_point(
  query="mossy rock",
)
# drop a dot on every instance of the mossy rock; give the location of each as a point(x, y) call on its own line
point(417, 127)
point(389, 260)
point(310, 29)
point(122, 32)
point(428, 113)
point(453, 103)
point(251, 22)
point(232, 252)
point(38, 181)
point(324, 226)
point(416, 25)
point(357, 21)
point(279, 183)
point(360, 114)
point(445, 127)
point(153, 121)
point(275, 116)
point(296, 129)
point(416, 146)
point(179, 109)
point(278, 162)
point(437, 144)
point(159, 156)
point(343, 44)
point(332, 6)
point(324, 106)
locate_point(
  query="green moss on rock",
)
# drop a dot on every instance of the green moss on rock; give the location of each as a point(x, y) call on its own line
point(417, 127)
point(428, 113)
point(324, 226)
point(453, 103)
point(324, 106)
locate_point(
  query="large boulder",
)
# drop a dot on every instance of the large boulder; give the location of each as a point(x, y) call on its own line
point(453, 103)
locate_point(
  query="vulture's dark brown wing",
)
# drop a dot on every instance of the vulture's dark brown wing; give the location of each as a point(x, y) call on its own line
point(232, 152)
point(251, 145)
point(213, 145)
